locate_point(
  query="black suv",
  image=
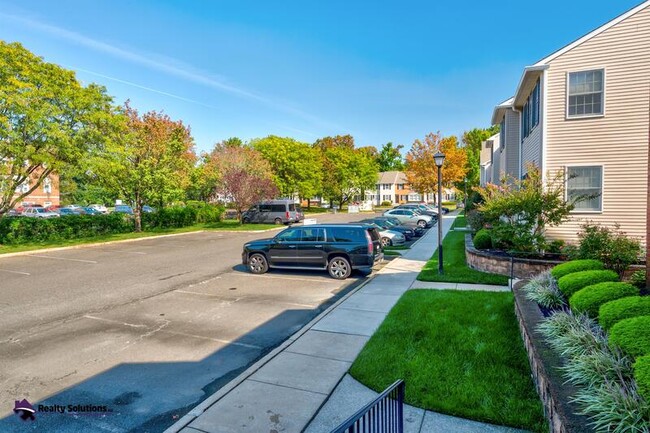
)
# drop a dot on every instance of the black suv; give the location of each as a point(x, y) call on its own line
point(339, 248)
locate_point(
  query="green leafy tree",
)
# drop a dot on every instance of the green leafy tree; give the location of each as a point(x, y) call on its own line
point(390, 158)
point(472, 140)
point(350, 172)
point(296, 166)
point(48, 121)
point(147, 161)
point(345, 141)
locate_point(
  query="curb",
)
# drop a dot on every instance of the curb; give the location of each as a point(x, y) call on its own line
point(223, 391)
point(95, 244)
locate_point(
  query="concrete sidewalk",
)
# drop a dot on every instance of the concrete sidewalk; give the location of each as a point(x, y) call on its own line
point(285, 390)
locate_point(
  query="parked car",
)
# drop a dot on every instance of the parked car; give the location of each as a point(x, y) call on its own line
point(411, 217)
point(123, 208)
point(419, 231)
point(273, 212)
point(421, 208)
point(38, 212)
point(148, 209)
point(64, 211)
point(91, 211)
point(99, 208)
point(407, 232)
point(337, 248)
point(389, 238)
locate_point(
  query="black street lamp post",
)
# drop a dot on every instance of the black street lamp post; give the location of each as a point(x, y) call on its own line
point(440, 159)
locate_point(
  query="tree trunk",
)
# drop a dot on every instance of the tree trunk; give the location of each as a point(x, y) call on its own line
point(138, 212)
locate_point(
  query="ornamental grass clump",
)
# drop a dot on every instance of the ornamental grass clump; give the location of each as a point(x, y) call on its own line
point(589, 299)
point(576, 266)
point(543, 290)
point(632, 336)
point(570, 284)
point(614, 311)
point(607, 393)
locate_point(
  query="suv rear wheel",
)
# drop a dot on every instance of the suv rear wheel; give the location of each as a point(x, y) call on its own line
point(278, 221)
point(339, 268)
point(257, 263)
point(422, 223)
point(385, 242)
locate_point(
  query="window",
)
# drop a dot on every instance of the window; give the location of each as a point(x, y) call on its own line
point(47, 186)
point(387, 198)
point(289, 235)
point(530, 113)
point(585, 188)
point(278, 208)
point(344, 234)
point(265, 208)
point(586, 93)
point(400, 186)
point(313, 235)
point(386, 186)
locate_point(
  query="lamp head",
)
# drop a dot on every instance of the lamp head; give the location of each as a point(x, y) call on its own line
point(439, 158)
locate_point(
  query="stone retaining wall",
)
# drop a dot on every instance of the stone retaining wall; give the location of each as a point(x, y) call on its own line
point(544, 363)
point(486, 262)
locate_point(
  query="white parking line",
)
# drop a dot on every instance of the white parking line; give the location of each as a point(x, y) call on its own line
point(61, 258)
point(15, 272)
point(127, 252)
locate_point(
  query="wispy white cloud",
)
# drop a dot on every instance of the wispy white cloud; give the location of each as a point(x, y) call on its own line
point(139, 86)
point(173, 67)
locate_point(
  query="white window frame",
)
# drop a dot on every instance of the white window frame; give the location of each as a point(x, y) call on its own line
point(604, 99)
point(602, 187)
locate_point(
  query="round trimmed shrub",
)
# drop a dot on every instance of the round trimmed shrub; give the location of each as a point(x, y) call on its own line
point(632, 336)
point(576, 266)
point(613, 312)
point(589, 299)
point(571, 283)
point(482, 240)
point(642, 376)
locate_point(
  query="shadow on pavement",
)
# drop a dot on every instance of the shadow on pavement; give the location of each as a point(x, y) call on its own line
point(149, 397)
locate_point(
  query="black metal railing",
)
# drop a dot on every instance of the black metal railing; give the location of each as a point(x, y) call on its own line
point(385, 414)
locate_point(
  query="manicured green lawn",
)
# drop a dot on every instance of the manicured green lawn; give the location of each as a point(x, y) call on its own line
point(454, 264)
point(226, 225)
point(460, 353)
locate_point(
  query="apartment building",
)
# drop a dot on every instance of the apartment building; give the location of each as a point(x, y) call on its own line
point(46, 194)
point(584, 110)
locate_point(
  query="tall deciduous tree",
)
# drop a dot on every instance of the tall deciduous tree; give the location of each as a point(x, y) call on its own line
point(296, 166)
point(244, 176)
point(472, 140)
point(421, 169)
point(48, 121)
point(345, 141)
point(349, 172)
point(390, 158)
point(148, 160)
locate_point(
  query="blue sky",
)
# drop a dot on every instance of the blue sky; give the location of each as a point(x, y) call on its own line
point(379, 70)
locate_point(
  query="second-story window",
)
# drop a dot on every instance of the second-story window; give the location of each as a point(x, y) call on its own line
point(530, 113)
point(586, 93)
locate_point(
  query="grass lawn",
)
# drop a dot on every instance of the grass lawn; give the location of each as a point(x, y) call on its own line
point(220, 226)
point(455, 267)
point(460, 353)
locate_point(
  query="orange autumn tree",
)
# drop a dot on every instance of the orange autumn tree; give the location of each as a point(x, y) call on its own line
point(421, 170)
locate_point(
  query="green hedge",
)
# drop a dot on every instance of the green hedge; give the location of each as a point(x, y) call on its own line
point(615, 311)
point(576, 266)
point(589, 299)
point(569, 284)
point(642, 376)
point(482, 240)
point(632, 336)
point(15, 231)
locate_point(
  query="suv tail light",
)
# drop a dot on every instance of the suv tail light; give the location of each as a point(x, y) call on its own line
point(287, 214)
point(369, 239)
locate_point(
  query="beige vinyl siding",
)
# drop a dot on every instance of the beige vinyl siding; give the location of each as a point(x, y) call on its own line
point(619, 140)
point(511, 166)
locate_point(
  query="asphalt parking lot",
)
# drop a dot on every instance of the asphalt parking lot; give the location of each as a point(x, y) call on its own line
point(147, 329)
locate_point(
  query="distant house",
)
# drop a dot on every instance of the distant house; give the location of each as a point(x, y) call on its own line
point(46, 194)
point(584, 110)
point(393, 187)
